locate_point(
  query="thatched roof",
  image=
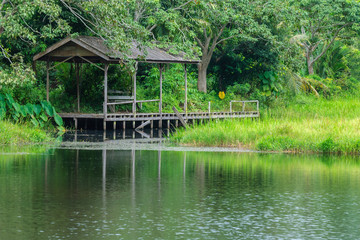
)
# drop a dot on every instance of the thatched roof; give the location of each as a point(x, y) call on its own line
point(95, 50)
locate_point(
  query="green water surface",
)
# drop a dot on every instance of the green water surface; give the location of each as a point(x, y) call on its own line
point(118, 194)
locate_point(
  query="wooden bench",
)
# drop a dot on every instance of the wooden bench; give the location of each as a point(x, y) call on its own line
point(114, 98)
point(120, 97)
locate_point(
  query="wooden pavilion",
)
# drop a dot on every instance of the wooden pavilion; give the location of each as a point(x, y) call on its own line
point(93, 50)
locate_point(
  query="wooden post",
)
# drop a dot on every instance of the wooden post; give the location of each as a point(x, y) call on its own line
point(47, 80)
point(185, 103)
point(105, 92)
point(160, 102)
point(77, 85)
point(179, 116)
point(134, 92)
point(76, 123)
point(34, 68)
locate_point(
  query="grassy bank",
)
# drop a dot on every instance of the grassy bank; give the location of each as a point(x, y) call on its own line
point(11, 134)
point(305, 125)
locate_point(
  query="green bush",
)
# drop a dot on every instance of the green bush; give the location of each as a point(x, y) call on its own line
point(37, 114)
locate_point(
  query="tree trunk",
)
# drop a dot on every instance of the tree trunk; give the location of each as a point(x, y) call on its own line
point(310, 62)
point(202, 68)
point(311, 68)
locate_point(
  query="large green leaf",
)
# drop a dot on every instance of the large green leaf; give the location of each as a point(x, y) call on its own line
point(48, 108)
point(23, 110)
point(34, 122)
point(17, 110)
point(29, 108)
point(43, 117)
point(59, 121)
point(267, 74)
point(2, 113)
point(10, 100)
point(37, 109)
point(3, 105)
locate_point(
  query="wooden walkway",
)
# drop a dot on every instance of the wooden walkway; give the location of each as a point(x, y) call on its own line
point(162, 119)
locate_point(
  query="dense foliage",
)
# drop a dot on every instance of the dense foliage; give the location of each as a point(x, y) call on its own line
point(265, 50)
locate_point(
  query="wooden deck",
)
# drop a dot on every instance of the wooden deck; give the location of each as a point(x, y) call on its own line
point(119, 117)
point(161, 118)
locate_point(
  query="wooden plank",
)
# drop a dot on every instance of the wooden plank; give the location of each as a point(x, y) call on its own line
point(144, 124)
point(179, 116)
point(151, 100)
point(47, 80)
point(134, 91)
point(119, 103)
point(160, 102)
point(51, 48)
point(91, 63)
point(71, 49)
point(185, 102)
point(77, 85)
point(120, 97)
point(105, 92)
point(67, 59)
point(142, 133)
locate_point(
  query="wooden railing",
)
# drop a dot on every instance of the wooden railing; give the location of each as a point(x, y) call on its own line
point(243, 104)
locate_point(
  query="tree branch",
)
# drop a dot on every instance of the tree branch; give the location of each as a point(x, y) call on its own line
point(4, 52)
point(331, 42)
point(182, 5)
point(78, 16)
point(224, 39)
point(152, 27)
point(199, 42)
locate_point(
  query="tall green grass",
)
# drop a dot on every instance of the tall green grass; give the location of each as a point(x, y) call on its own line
point(17, 134)
point(305, 125)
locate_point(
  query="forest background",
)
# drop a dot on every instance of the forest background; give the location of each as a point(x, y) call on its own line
point(277, 52)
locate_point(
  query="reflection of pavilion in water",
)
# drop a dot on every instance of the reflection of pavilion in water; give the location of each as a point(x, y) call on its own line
point(98, 136)
point(105, 157)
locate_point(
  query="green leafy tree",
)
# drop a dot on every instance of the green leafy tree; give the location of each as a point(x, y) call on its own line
point(29, 21)
point(213, 22)
point(320, 23)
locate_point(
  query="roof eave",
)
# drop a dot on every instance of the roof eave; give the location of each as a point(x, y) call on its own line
point(82, 44)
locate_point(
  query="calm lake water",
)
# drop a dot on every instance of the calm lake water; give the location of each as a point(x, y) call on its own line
point(147, 194)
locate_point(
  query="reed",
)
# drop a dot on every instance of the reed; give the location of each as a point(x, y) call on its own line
point(17, 134)
point(305, 125)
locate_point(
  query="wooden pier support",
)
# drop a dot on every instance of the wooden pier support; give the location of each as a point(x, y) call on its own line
point(76, 123)
point(185, 102)
point(47, 80)
point(143, 124)
point(106, 67)
point(77, 70)
point(160, 101)
point(180, 117)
